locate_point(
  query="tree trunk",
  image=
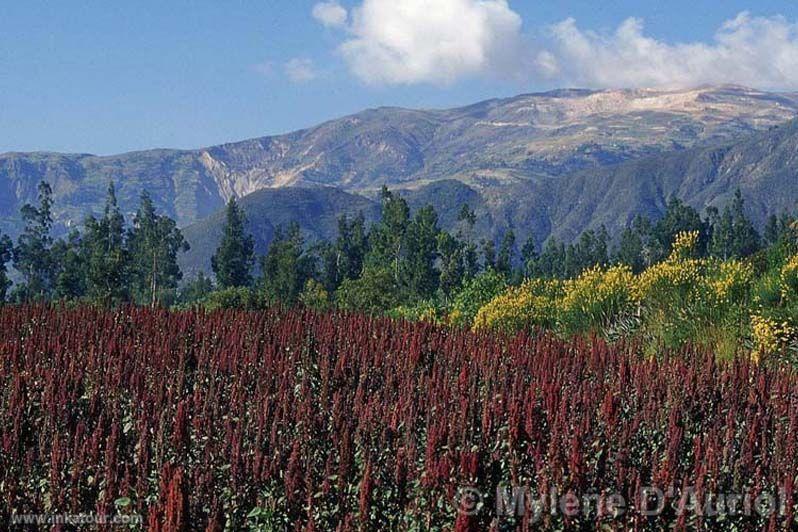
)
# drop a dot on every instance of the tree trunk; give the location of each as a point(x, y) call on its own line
point(153, 284)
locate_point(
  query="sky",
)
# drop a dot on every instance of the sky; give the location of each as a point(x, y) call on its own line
point(109, 77)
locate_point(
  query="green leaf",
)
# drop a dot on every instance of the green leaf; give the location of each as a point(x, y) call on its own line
point(122, 501)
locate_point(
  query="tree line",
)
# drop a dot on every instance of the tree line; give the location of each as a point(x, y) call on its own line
point(109, 262)
point(403, 259)
point(406, 258)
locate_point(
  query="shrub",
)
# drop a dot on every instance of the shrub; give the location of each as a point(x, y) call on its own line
point(476, 293)
point(374, 291)
point(766, 291)
point(789, 280)
point(533, 304)
point(770, 336)
point(314, 296)
point(730, 284)
point(596, 298)
point(232, 298)
point(669, 284)
point(426, 310)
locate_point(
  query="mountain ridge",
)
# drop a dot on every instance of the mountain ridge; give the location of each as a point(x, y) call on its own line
point(764, 166)
point(521, 155)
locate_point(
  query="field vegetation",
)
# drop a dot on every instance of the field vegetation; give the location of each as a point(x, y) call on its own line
point(297, 420)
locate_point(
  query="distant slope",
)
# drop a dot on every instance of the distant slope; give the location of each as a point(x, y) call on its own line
point(180, 186)
point(315, 209)
point(490, 146)
point(764, 166)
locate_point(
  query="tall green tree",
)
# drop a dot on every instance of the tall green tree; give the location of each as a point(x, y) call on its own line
point(630, 250)
point(352, 244)
point(329, 275)
point(232, 263)
point(33, 253)
point(779, 234)
point(773, 230)
point(466, 219)
point(470, 260)
point(107, 265)
point(529, 257)
point(374, 291)
point(387, 239)
point(6, 253)
point(733, 234)
point(643, 228)
point(196, 289)
point(155, 243)
point(746, 238)
point(420, 274)
point(70, 283)
point(344, 258)
point(679, 217)
point(590, 250)
point(722, 241)
point(489, 254)
point(286, 267)
point(552, 260)
point(506, 257)
point(452, 263)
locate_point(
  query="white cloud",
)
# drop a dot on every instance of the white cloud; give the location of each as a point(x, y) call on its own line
point(330, 14)
point(752, 51)
point(442, 41)
point(300, 70)
point(418, 41)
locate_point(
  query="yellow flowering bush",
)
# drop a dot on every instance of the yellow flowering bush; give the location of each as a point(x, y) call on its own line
point(682, 300)
point(788, 280)
point(673, 280)
point(455, 318)
point(314, 296)
point(730, 283)
point(684, 246)
point(596, 297)
point(531, 304)
point(679, 297)
point(770, 336)
point(668, 282)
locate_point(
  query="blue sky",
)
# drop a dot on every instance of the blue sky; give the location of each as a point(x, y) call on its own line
point(107, 77)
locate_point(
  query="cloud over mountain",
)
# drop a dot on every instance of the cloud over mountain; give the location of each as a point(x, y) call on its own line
point(415, 41)
point(753, 51)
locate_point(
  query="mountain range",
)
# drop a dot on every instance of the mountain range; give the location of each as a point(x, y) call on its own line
point(544, 164)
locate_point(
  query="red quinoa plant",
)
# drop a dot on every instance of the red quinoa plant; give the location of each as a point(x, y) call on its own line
point(325, 421)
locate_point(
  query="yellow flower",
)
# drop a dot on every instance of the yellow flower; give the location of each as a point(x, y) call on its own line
point(596, 296)
point(770, 336)
point(679, 276)
point(789, 279)
point(456, 317)
point(531, 304)
point(731, 282)
point(684, 246)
